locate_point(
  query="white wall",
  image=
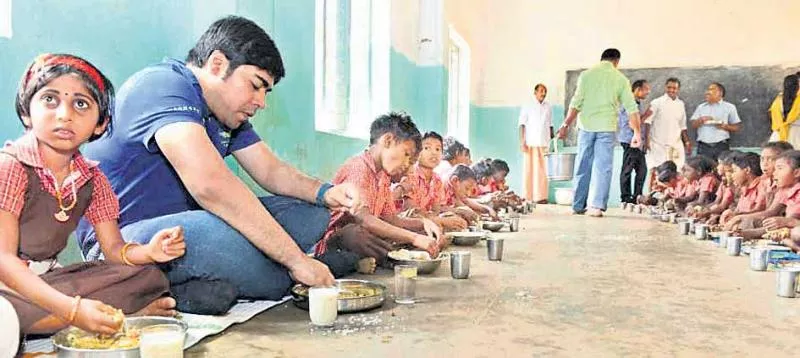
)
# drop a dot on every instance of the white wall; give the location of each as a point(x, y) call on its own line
point(537, 41)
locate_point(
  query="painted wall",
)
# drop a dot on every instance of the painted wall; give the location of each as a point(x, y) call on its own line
point(125, 36)
point(514, 43)
point(520, 43)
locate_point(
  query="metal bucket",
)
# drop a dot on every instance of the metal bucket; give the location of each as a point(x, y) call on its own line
point(560, 166)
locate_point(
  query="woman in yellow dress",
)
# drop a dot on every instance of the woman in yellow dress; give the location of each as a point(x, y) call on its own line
point(784, 112)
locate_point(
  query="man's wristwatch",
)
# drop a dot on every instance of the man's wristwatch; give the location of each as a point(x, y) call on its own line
point(321, 193)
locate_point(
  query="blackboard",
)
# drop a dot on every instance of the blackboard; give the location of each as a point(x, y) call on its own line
point(750, 88)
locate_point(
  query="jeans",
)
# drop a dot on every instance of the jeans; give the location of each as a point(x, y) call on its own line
point(633, 159)
point(713, 150)
point(217, 251)
point(595, 160)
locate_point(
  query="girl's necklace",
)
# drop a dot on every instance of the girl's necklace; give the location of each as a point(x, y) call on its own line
point(62, 215)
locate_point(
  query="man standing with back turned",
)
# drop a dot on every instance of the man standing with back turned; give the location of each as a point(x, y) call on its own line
point(599, 93)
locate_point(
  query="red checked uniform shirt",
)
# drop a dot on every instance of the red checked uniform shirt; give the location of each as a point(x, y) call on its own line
point(751, 197)
point(791, 198)
point(375, 186)
point(13, 181)
point(707, 183)
point(423, 193)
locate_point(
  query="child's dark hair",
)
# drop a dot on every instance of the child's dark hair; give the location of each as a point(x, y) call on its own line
point(793, 157)
point(667, 166)
point(726, 157)
point(452, 148)
point(499, 166)
point(243, 42)
point(482, 169)
point(433, 135)
point(667, 174)
point(47, 67)
point(702, 164)
point(779, 146)
point(398, 124)
point(750, 161)
point(463, 172)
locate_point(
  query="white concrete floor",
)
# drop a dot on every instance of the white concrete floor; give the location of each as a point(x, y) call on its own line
point(623, 285)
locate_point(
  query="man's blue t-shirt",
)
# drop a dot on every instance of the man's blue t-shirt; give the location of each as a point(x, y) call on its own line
point(143, 179)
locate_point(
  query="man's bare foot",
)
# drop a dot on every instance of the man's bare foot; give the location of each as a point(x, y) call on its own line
point(164, 306)
point(366, 265)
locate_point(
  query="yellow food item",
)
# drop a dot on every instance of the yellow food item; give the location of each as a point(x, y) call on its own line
point(777, 235)
point(81, 339)
point(404, 254)
point(346, 292)
point(356, 292)
point(697, 208)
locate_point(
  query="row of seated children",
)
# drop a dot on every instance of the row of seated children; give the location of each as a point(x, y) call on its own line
point(694, 187)
point(756, 194)
point(419, 207)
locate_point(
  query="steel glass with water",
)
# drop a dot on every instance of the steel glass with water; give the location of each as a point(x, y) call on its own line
point(405, 284)
point(700, 231)
point(786, 284)
point(494, 248)
point(759, 258)
point(734, 244)
point(683, 227)
point(459, 264)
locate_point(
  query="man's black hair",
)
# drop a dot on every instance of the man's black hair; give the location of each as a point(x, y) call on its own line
point(243, 42)
point(610, 54)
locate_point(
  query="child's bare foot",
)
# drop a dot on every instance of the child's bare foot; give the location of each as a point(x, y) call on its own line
point(164, 306)
point(366, 265)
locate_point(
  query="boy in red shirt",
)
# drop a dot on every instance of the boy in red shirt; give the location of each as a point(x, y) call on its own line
point(456, 196)
point(767, 188)
point(787, 179)
point(699, 171)
point(422, 189)
point(376, 229)
point(725, 192)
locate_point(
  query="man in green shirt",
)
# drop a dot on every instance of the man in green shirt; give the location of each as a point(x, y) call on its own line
point(600, 93)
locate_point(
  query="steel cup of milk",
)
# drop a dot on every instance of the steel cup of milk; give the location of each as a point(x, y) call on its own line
point(323, 305)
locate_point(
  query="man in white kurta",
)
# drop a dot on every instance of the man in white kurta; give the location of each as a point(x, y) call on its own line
point(536, 130)
point(667, 139)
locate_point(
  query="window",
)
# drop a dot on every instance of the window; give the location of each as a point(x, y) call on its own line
point(458, 88)
point(5, 18)
point(351, 65)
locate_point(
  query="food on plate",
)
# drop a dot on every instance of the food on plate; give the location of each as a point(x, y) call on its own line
point(777, 235)
point(404, 254)
point(80, 339)
point(346, 291)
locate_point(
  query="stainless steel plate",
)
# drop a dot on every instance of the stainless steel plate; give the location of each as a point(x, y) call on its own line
point(346, 305)
point(64, 350)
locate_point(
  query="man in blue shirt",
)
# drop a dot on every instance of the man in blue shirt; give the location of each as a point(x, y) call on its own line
point(714, 121)
point(175, 123)
point(633, 159)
